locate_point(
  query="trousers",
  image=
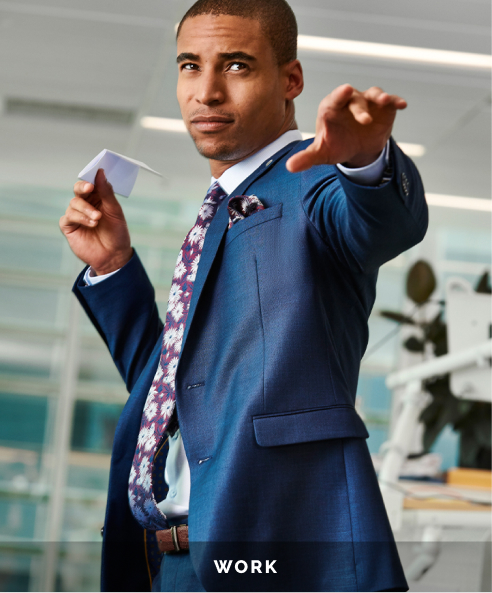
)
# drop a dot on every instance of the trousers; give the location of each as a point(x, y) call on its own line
point(176, 572)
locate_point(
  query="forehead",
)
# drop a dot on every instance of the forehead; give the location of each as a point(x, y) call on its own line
point(208, 35)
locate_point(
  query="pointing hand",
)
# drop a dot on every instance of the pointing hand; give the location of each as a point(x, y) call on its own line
point(352, 128)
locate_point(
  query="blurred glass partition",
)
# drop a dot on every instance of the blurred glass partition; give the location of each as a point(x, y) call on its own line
point(60, 394)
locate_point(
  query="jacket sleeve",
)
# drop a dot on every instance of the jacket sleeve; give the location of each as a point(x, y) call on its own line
point(367, 226)
point(123, 310)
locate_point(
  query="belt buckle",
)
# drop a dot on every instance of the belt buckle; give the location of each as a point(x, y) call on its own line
point(174, 535)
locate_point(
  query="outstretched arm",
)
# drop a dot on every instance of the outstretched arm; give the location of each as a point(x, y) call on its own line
point(365, 225)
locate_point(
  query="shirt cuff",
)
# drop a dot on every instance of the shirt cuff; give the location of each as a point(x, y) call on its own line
point(91, 280)
point(370, 174)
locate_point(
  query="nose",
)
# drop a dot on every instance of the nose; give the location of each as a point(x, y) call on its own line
point(211, 89)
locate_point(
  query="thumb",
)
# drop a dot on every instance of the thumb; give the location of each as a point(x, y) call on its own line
point(103, 188)
point(304, 160)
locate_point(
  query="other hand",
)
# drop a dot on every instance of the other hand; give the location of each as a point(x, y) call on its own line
point(95, 226)
point(351, 128)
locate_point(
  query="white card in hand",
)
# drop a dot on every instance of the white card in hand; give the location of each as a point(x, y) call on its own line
point(121, 171)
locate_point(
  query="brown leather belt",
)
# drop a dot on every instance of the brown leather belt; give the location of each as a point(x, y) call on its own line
point(173, 540)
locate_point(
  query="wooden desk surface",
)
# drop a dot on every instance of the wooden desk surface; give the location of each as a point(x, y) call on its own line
point(431, 495)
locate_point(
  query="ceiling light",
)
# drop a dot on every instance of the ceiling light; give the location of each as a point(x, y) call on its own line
point(165, 124)
point(410, 149)
point(459, 202)
point(394, 52)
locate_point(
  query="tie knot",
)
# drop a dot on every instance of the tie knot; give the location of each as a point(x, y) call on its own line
point(215, 193)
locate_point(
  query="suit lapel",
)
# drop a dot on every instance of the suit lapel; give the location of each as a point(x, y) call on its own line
point(216, 232)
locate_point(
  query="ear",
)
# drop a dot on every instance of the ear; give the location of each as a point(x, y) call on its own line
point(294, 79)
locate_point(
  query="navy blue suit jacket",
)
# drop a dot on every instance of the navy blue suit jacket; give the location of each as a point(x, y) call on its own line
point(266, 384)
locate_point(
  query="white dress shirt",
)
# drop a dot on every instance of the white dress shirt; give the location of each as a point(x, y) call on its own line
point(177, 471)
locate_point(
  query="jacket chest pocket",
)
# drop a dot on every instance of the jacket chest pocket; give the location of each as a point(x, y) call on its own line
point(263, 216)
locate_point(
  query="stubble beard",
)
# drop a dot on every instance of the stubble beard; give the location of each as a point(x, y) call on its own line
point(221, 150)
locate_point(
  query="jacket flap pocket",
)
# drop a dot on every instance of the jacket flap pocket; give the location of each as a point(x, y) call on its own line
point(303, 426)
point(252, 220)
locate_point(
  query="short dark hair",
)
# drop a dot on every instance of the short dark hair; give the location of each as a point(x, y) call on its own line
point(276, 19)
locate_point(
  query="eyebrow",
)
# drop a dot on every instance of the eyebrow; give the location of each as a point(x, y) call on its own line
point(235, 55)
point(187, 56)
point(238, 55)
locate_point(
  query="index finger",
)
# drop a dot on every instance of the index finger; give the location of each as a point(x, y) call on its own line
point(339, 97)
point(83, 188)
point(383, 99)
point(398, 102)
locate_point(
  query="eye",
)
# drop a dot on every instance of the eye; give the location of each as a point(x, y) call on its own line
point(236, 66)
point(189, 66)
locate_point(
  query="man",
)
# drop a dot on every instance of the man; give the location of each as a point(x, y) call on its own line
point(267, 460)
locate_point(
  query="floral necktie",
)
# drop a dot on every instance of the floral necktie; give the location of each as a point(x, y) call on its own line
point(161, 398)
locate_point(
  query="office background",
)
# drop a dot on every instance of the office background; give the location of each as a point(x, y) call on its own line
point(77, 76)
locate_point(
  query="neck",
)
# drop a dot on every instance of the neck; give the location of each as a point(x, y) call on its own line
point(217, 168)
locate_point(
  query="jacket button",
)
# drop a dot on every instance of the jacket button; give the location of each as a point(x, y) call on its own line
point(405, 184)
point(102, 531)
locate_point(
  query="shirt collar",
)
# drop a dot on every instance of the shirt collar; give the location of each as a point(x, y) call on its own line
point(235, 175)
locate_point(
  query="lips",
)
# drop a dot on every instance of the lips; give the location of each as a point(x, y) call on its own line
point(211, 123)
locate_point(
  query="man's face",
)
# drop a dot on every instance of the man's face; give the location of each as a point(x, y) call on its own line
point(231, 90)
